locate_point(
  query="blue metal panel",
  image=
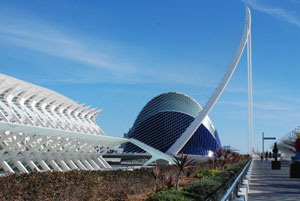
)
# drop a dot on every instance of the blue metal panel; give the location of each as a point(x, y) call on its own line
point(159, 131)
point(201, 142)
point(162, 130)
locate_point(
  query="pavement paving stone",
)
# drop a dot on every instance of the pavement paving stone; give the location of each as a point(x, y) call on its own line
point(272, 185)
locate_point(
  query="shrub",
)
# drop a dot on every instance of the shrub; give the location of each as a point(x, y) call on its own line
point(207, 173)
point(212, 185)
point(234, 168)
point(203, 187)
point(223, 176)
point(212, 181)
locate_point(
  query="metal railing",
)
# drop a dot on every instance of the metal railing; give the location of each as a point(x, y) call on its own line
point(234, 188)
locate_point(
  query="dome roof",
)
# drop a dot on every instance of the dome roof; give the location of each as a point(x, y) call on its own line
point(171, 101)
point(163, 120)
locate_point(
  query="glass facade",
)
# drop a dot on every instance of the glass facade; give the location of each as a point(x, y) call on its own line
point(163, 120)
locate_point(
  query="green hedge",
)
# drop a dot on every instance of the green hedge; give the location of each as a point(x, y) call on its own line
point(200, 189)
point(203, 187)
point(206, 173)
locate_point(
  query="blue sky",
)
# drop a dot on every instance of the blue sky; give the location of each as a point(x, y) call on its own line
point(117, 55)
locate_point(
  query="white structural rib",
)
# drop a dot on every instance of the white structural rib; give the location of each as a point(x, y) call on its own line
point(27, 104)
point(178, 145)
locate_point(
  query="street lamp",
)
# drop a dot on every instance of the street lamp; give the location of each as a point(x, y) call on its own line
point(263, 142)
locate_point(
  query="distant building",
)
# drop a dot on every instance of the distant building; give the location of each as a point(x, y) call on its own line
point(163, 120)
point(230, 148)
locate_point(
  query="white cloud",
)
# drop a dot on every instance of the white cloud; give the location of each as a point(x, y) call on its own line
point(278, 13)
point(50, 41)
point(31, 33)
point(40, 37)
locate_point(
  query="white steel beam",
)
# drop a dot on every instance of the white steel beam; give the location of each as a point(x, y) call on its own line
point(64, 166)
point(43, 164)
point(54, 165)
point(19, 165)
point(80, 165)
point(183, 139)
point(87, 164)
point(6, 167)
point(94, 164)
point(32, 165)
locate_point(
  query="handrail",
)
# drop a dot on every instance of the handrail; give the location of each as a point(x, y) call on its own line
point(235, 185)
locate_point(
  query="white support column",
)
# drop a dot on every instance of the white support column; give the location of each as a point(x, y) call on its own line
point(43, 164)
point(80, 165)
point(151, 160)
point(54, 165)
point(87, 164)
point(6, 167)
point(94, 164)
point(19, 165)
point(63, 165)
point(99, 163)
point(104, 161)
point(71, 164)
point(32, 165)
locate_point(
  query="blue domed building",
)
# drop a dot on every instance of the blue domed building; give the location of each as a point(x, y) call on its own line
point(163, 120)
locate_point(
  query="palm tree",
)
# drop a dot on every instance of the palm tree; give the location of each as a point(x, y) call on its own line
point(182, 163)
point(155, 173)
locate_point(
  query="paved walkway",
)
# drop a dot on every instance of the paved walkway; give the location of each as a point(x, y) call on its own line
point(273, 185)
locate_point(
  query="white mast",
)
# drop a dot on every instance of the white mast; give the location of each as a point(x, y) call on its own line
point(250, 95)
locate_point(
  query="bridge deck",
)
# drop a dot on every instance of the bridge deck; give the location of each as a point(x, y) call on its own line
point(268, 184)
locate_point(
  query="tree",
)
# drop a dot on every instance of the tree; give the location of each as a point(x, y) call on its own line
point(182, 163)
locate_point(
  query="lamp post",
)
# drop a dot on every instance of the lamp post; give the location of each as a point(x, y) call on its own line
point(263, 142)
point(263, 148)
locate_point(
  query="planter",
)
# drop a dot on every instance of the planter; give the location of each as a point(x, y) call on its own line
point(276, 165)
point(297, 145)
point(295, 170)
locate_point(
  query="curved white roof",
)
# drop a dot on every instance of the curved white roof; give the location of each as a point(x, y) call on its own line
point(28, 104)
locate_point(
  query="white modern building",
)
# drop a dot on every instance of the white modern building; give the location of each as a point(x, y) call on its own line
point(42, 130)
